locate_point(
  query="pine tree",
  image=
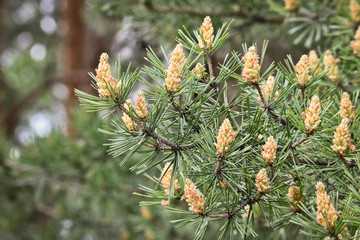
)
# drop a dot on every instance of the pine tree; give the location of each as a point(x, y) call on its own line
point(282, 146)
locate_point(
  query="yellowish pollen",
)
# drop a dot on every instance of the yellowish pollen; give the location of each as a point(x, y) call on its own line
point(166, 179)
point(295, 196)
point(173, 76)
point(354, 8)
point(250, 72)
point(356, 43)
point(199, 69)
point(291, 5)
point(105, 80)
point(312, 114)
point(262, 181)
point(140, 106)
point(325, 208)
point(313, 62)
point(302, 70)
point(130, 124)
point(193, 197)
point(207, 31)
point(333, 69)
point(269, 153)
point(347, 110)
point(226, 135)
point(268, 88)
point(342, 138)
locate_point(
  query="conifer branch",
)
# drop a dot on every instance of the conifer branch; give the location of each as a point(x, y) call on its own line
point(172, 145)
point(266, 106)
point(294, 145)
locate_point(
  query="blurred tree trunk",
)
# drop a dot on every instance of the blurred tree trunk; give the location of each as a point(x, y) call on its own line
point(82, 48)
point(73, 48)
point(2, 82)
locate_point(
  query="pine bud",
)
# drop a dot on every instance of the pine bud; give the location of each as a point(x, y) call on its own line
point(342, 138)
point(356, 44)
point(268, 88)
point(130, 124)
point(166, 179)
point(226, 135)
point(193, 197)
point(140, 106)
point(269, 153)
point(207, 31)
point(302, 70)
point(224, 184)
point(250, 72)
point(347, 110)
point(262, 181)
point(313, 62)
point(325, 207)
point(199, 69)
point(146, 213)
point(354, 10)
point(291, 5)
point(330, 62)
point(105, 80)
point(173, 77)
point(312, 114)
point(295, 197)
point(149, 235)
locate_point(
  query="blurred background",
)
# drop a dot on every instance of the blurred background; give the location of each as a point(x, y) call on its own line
point(56, 178)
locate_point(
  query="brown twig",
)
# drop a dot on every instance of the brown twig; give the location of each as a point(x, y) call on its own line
point(266, 106)
point(348, 164)
point(217, 168)
point(172, 145)
point(195, 126)
point(263, 100)
point(294, 145)
point(303, 93)
point(247, 201)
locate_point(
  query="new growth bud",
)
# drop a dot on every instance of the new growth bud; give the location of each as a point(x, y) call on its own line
point(173, 77)
point(140, 106)
point(105, 80)
point(262, 181)
point(356, 44)
point(226, 135)
point(312, 115)
point(269, 153)
point(250, 72)
point(325, 208)
point(347, 110)
point(291, 5)
point(165, 178)
point(354, 8)
point(268, 88)
point(130, 124)
point(313, 62)
point(207, 31)
point(199, 69)
point(302, 70)
point(330, 62)
point(193, 197)
point(295, 196)
point(342, 138)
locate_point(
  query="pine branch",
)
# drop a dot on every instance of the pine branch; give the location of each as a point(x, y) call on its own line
point(266, 106)
point(172, 145)
point(294, 145)
point(185, 114)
